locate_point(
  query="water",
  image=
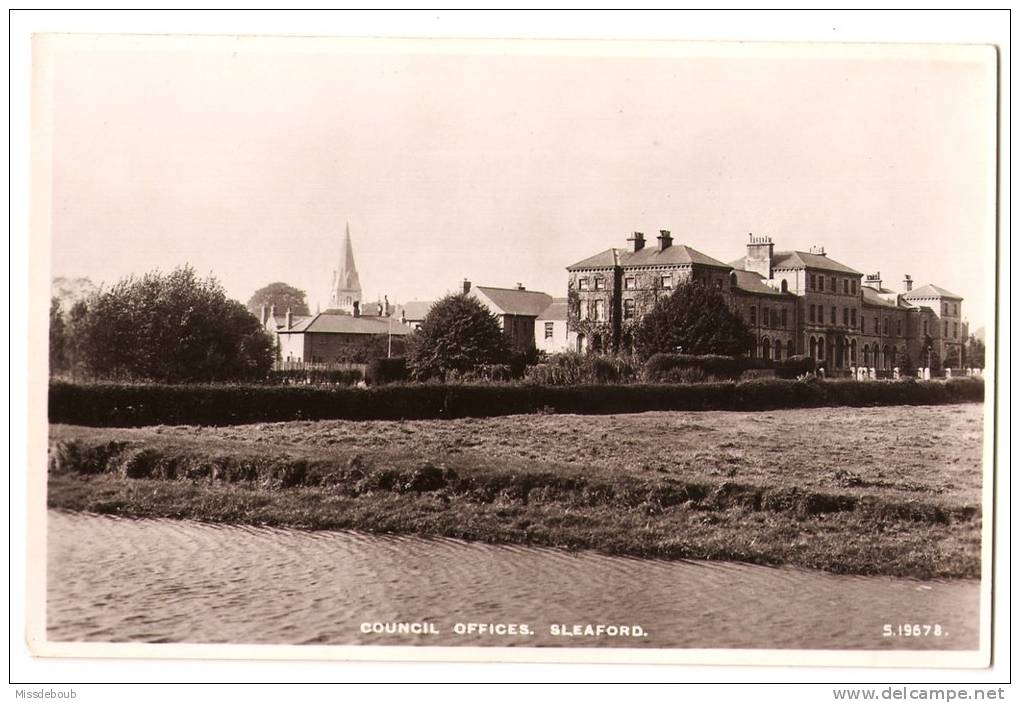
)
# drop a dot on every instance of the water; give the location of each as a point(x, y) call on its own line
point(118, 580)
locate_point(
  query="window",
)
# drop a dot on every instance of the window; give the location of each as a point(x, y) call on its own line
point(764, 316)
point(956, 330)
point(832, 285)
point(885, 325)
point(600, 283)
point(628, 283)
point(783, 322)
point(811, 313)
point(666, 281)
point(811, 281)
point(832, 312)
point(548, 330)
point(876, 325)
point(853, 287)
point(582, 284)
point(926, 327)
point(628, 309)
point(853, 317)
point(946, 333)
point(775, 318)
point(956, 308)
point(846, 286)
point(754, 316)
point(782, 286)
point(846, 316)
point(598, 308)
point(899, 328)
point(718, 283)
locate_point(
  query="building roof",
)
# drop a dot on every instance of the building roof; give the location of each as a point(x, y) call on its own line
point(870, 296)
point(931, 291)
point(328, 323)
point(752, 282)
point(513, 301)
point(415, 309)
point(803, 259)
point(557, 310)
point(604, 259)
point(676, 254)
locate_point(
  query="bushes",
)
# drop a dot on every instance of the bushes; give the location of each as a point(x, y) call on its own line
point(137, 405)
point(332, 377)
point(795, 367)
point(573, 369)
point(382, 371)
point(666, 368)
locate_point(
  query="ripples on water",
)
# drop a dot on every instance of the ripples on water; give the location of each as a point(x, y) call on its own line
point(119, 580)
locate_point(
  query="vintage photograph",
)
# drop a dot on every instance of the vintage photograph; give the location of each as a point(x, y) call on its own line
point(515, 348)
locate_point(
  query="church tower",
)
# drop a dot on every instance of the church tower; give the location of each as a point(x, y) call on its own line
point(345, 293)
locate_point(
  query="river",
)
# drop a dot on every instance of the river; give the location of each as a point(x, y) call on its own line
point(121, 580)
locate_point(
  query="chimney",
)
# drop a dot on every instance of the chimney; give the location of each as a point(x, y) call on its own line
point(874, 280)
point(665, 240)
point(378, 309)
point(263, 315)
point(819, 250)
point(386, 305)
point(908, 283)
point(357, 308)
point(759, 255)
point(290, 319)
point(467, 286)
point(639, 241)
point(519, 286)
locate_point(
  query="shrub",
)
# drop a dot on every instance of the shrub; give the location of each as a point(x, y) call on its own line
point(334, 377)
point(795, 367)
point(660, 368)
point(571, 369)
point(386, 370)
point(694, 319)
point(458, 334)
point(109, 404)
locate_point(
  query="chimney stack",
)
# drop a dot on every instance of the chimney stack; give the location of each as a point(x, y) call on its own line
point(520, 286)
point(639, 241)
point(665, 240)
point(467, 286)
point(290, 318)
point(759, 255)
point(874, 280)
point(357, 308)
point(908, 283)
point(819, 250)
point(386, 305)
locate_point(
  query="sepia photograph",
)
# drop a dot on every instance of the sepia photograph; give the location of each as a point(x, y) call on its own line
point(534, 350)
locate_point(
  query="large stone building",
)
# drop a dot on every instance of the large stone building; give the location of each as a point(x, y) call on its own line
point(795, 303)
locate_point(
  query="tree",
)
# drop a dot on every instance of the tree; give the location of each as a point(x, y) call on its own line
point(975, 353)
point(58, 338)
point(169, 328)
point(903, 360)
point(458, 334)
point(284, 297)
point(694, 319)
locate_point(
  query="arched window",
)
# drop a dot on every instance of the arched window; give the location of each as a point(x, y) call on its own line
point(778, 350)
point(821, 348)
point(733, 280)
point(867, 355)
point(766, 348)
point(581, 344)
point(782, 286)
point(853, 352)
point(886, 358)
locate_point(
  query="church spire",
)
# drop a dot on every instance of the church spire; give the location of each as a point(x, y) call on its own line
point(346, 288)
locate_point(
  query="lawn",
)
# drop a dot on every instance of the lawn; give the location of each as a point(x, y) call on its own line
point(888, 490)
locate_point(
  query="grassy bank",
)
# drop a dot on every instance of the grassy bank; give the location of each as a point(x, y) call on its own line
point(867, 491)
point(136, 405)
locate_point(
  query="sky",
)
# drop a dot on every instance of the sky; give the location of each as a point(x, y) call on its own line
point(504, 164)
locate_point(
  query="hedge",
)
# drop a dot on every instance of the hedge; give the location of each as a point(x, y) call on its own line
point(340, 377)
point(107, 404)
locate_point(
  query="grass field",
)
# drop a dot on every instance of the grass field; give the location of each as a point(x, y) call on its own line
point(889, 490)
